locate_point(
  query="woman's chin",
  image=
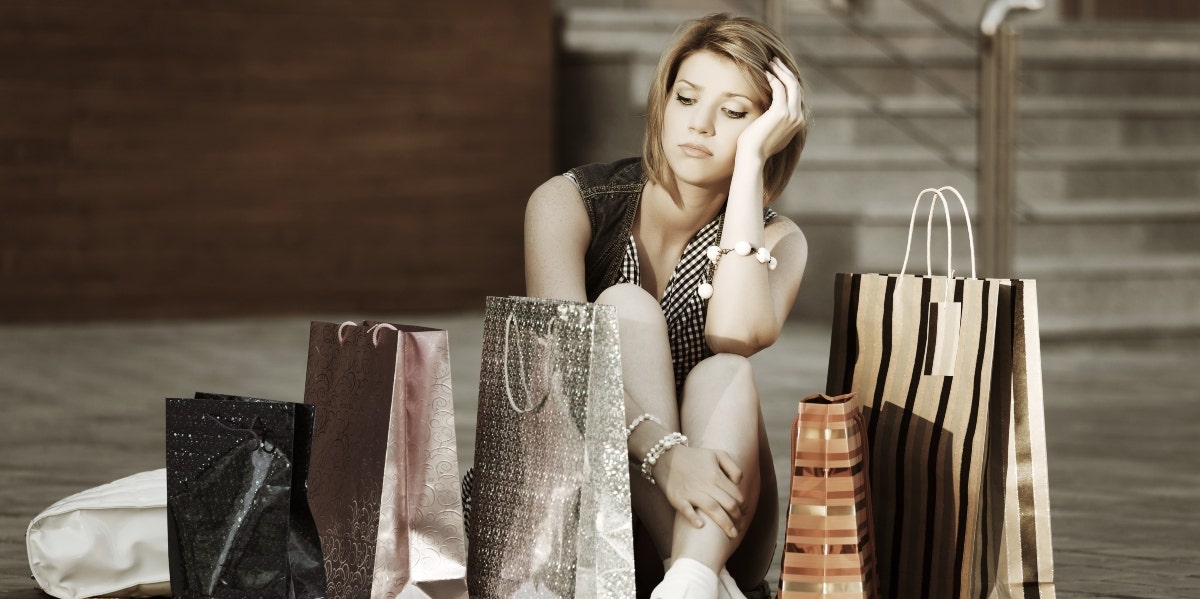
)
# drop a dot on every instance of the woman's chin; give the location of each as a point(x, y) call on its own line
point(700, 173)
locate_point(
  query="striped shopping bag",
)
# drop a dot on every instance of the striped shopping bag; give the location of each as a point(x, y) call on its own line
point(828, 547)
point(948, 372)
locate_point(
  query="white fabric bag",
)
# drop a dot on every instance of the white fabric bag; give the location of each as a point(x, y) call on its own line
point(106, 541)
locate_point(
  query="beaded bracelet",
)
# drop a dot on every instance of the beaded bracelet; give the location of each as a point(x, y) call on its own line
point(657, 451)
point(639, 420)
point(715, 253)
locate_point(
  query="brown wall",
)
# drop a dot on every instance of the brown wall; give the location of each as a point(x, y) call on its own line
point(169, 158)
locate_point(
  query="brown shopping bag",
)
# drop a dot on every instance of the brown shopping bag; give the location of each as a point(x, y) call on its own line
point(829, 550)
point(550, 510)
point(941, 365)
point(384, 487)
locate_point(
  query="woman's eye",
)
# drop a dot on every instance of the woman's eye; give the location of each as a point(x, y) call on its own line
point(733, 114)
point(686, 101)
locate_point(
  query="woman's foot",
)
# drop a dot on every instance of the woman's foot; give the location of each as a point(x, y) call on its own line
point(687, 579)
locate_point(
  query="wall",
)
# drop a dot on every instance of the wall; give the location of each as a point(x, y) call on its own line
point(213, 158)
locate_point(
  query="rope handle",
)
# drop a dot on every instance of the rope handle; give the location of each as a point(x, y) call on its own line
point(524, 377)
point(374, 331)
point(938, 195)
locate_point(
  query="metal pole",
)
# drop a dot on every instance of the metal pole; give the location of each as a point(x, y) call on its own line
point(773, 15)
point(996, 156)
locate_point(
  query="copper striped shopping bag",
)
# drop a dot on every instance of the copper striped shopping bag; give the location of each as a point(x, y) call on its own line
point(943, 367)
point(828, 547)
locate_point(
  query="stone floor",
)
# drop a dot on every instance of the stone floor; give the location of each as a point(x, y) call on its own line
point(83, 404)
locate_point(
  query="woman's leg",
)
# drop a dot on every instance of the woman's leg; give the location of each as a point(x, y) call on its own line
point(649, 379)
point(752, 559)
point(720, 411)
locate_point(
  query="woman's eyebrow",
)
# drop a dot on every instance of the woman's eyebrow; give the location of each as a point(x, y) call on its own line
point(727, 94)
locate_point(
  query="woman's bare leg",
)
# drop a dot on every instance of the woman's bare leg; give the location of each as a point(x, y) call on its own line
point(720, 400)
point(649, 378)
point(721, 412)
point(752, 559)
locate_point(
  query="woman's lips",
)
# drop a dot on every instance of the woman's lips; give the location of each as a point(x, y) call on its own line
point(695, 150)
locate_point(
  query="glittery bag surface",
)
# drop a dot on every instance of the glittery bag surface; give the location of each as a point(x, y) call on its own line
point(829, 550)
point(385, 486)
point(551, 512)
point(238, 523)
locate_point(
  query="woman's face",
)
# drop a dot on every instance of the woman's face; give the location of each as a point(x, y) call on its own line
point(709, 106)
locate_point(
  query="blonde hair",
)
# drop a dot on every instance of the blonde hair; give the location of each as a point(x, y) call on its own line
point(750, 45)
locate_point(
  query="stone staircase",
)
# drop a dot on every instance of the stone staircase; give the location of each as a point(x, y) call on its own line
point(1108, 150)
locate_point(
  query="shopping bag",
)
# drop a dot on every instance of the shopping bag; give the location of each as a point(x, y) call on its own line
point(238, 523)
point(551, 514)
point(829, 549)
point(107, 541)
point(1026, 567)
point(385, 489)
point(933, 360)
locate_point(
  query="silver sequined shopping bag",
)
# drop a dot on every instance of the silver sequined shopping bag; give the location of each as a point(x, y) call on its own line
point(550, 512)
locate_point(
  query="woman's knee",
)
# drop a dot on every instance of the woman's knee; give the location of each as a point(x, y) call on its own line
point(632, 302)
point(730, 367)
point(726, 371)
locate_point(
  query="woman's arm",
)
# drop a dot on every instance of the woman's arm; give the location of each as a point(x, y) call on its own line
point(557, 233)
point(750, 302)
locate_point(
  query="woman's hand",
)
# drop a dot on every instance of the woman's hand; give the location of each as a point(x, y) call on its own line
point(695, 478)
point(772, 131)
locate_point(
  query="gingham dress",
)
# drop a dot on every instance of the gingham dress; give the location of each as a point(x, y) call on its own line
point(682, 305)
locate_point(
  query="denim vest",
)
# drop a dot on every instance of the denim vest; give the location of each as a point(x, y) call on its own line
point(611, 194)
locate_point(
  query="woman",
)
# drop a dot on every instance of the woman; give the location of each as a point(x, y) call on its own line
point(725, 128)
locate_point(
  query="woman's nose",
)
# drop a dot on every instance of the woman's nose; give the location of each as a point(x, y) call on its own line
point(700, 123)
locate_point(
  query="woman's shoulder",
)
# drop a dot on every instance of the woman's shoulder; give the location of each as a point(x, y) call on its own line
point(626, 174)
point(781, 227)
point(556, 193)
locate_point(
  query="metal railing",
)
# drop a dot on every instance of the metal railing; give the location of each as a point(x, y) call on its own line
point(995, 108)
point(998, 71)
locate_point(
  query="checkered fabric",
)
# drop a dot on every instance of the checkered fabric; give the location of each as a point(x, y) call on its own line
point(682, 305)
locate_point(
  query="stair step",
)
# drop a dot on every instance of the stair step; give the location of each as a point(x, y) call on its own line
point(1139, 210)
point(1029, 158)
point(842, 104)
point(896, 211)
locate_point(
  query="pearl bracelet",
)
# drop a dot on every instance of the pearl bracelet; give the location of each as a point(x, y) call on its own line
point(742, 248)
point(639, 420)
point(657, 451)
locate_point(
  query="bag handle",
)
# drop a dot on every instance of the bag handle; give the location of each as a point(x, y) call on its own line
point(938, 194)
point(512, 402)
point(374, 331)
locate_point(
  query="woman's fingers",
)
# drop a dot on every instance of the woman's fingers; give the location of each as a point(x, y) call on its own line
point(792, 85)
point(685, 508)
point(778, 93)
point(714, 510)
point(729, 467)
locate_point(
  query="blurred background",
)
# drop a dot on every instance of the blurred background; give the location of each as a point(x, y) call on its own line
point(174, 159)
point(184, 185)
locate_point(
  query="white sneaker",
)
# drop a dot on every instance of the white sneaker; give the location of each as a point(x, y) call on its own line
point(687, 579)
point(727, 587)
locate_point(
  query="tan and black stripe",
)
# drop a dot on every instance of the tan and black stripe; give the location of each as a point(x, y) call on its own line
point(937, 506)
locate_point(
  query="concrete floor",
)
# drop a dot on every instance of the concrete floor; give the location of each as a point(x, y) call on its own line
point(83, 405)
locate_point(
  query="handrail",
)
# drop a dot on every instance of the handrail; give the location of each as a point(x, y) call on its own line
point(999, 66)
point(920, 71)
point(995, 13)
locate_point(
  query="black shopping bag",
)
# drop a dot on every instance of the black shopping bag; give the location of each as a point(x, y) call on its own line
point(237, 512)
